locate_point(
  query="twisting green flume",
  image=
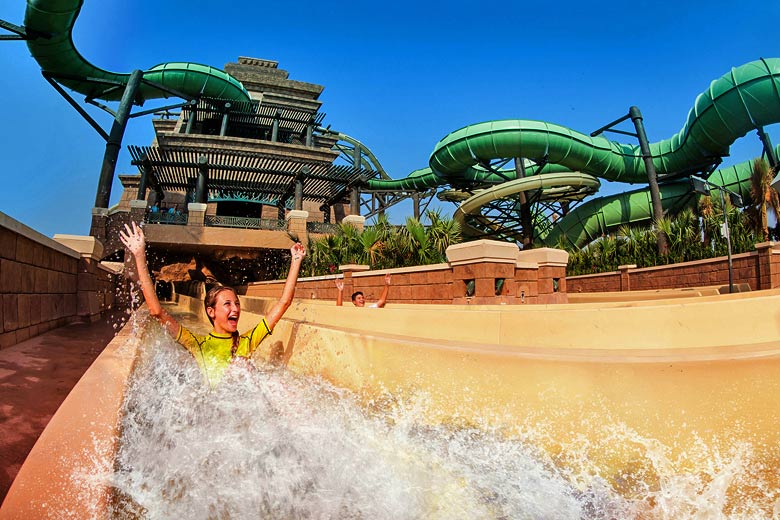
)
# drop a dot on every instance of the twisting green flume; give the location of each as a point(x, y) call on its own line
point(746, 98)
point(49, 24)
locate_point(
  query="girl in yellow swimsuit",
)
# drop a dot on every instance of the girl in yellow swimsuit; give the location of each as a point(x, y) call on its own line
point(223, 346)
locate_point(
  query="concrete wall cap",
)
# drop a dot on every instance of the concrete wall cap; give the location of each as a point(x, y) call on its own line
point(197, 206)
point(544, 256)
point(482, 251)
point(624, 267)
point(353, 267)
point(350, 219)
point(297, 214)
point(86, 246)
point(112, 267)
point(138, 203)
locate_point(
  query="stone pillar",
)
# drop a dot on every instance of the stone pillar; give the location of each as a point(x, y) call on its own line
point(197, 214)
point(137, 211)
point(551, 278)
point(768, 265)
point(99, 223)
point(349, 283)
point(355, 221)
point(296, 224)
point(625, 278)
point(483, 272)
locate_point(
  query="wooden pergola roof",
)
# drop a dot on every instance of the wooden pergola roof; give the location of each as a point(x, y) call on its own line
point(255, 176)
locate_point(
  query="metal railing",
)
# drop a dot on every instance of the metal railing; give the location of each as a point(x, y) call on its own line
point(245, 222)
point(163, 217)
point(321, 227)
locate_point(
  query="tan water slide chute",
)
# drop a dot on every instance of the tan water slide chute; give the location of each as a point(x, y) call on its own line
point(677, 371)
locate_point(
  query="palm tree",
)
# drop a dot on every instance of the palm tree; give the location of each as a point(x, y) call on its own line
point(763, 195)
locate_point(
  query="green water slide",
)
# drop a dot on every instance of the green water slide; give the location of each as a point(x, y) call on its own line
point(49, 27)
point(745, 99)
point(595, 217)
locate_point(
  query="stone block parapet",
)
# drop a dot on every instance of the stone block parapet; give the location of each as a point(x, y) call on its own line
point(47, 283)
point(756, 270)
point(482, 272)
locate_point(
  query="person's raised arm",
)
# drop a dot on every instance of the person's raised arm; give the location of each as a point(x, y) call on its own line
point(135, 242)
point(298, 252)
point(340, 295)
point(383, 297)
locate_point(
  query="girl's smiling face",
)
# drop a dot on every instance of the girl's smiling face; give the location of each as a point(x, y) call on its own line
point(225, 312)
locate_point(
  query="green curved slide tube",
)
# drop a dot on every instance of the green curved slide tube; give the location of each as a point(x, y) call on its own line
point(744, 99)
point(52, 22)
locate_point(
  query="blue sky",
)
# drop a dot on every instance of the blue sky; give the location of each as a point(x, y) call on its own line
point(398, 76)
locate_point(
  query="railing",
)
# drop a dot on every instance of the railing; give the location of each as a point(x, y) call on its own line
point(321, 227)
point(157, 217)
point(245, 222)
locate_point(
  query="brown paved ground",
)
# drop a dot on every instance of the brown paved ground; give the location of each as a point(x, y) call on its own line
point(35, 377)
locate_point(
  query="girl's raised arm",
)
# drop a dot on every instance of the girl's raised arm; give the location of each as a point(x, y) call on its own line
point(135, 242)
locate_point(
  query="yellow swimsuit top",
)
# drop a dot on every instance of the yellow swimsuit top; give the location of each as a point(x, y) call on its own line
point(212, 352)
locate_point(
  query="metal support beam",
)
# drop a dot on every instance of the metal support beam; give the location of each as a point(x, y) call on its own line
point(21, 33)
point(525, 208)
point(114, 142)
point(201, 188)
point(652, 178)
point(768, 150)
point(191, 120)
point(144, 182)
point(416, 205)
point(94, 124)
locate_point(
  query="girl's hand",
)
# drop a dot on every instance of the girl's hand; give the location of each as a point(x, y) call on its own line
point(298, 252)
point(387, 279)
point(133, 239)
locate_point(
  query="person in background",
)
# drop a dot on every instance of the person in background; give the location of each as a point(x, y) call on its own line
point(223, 346)
point(358, 299)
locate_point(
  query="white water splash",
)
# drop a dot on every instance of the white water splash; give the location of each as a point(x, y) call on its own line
point(269, 444)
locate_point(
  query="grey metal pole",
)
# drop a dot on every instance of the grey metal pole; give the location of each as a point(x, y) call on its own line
point(225, 117)
point(114, 143)
point(525, 210)
point(275, 127)
point(191, 119)
point(652, 178)
point(728, 237)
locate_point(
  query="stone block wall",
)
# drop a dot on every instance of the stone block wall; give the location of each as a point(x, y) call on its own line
point(482, 272)
point(759, 269)
point(45, 284)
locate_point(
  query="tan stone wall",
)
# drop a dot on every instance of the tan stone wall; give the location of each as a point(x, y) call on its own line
point(44, 284)
point(758, 270)
point(501, 274)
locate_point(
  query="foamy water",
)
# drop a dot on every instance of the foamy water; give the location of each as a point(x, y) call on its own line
point(269, 444)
